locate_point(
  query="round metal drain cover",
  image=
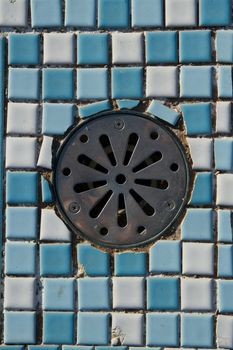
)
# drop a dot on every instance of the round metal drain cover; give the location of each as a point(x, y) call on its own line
point(121, 179)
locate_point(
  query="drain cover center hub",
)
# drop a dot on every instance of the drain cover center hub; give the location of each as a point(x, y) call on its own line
point(121, 179)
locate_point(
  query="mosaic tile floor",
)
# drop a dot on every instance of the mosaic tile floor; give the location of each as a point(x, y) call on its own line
point(62, 61)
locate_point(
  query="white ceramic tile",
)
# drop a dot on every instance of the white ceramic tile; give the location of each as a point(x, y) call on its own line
point(52, 227)
point(22, 118)
point(225, 331)
point(198, 258)
point(223, 117)
point(123, 298)
point(225, 189)
point(161, 82)
point(127, 329)
point(201, 152)
point(13, 13)
point(180, 13)
point(58, 48)
point(45, 156)
point(127, 47)
point(21, 152)
point(196, 294)
point(19, 293)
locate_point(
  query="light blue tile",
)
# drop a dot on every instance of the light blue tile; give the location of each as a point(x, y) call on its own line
point(92, 48)
point(162, 329)
point(197, 225)
point(197, 330)
point(94, 261)
point(223, 152)
point(11, 347)
point(225, 292)
point(113, 13)
point(165, 257)
point(55, 259)
point(161, 47)
point(23, 48)
point(225, 88)
point(21, 187)
point(41, 11)
point(23, 83)
point(93, 108)
point(147, 13)
point(203, 189)
point(130, 264)
point(42, 347)
point(98, 323)
point(58, 83)
point(93, 293)
point(127, 104)
point(197, 118)
point(195, 46)
point(225, 260)
point(79, 13)
point(225, 233)
point(57, 118)
point(46, 192)
point(58, 327)
point(92, 83)
point(112, 348)
point(224, 46)
point(162, 293)
point(196, 82)
point(127, 82)
point(20, 258)
point(215, 12)
point(20, 327)
point(58, 294)
point(165, 113)
point(77, 347)
point(21, 222)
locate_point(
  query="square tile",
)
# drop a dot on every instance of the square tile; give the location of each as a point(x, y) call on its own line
point(19, 293)
point(58, 327)
point(92, 83)
point(58, 48)
point(21, 187)
point(225, 302)
point(225, 260)
point(162, 329)
point(23, 48)
point(224, 186)
point(224, 46)
point(58, 83)
point(165, 257)
point(23, 83)
point(161, 47)
point(161, 82)
point(93, 293)
point(113, 13)
point(58, 294)
point(98, 323)
point(55, 259)
point(127, 48)
point(94, 262)
point(197, 294)
point(20, 327)
point(224, 229)
point(93, 48)
point(195, 46)
point(197, 225)
point(122, 293)
point(212, 13)
point(124, 326)
point(20, 258)
point(147, 13)
point(198, 259)
point(197, 118)
point(57, 118)
point(204, 160)
point(22, 118)
point(21, 222)
point(52, 228)
point(180, 13)
point(223, 117)
point(41, 13)
point(13, 13)
point(130, 264)
point(197, 330)
point(196, 82)
point(127, 82)
point(225, 331)
point(79, 13)
point(21, 152)
point(203, 189)
point(162, 293)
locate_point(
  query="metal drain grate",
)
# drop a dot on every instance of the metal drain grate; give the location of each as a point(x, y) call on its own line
point(121, 179)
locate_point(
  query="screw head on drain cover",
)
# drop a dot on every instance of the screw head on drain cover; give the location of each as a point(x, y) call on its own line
point(128, 188)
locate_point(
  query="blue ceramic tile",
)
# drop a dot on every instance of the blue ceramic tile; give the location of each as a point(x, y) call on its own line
point(11, 347)
point(197, 118)
point(197, 330)
point(42, 347)
point(224, 46)
point(57, 118)
point(197, 225)
point(77, 347)
point(162, 293)
point(46, 191)
point(93, 108)
point(41, 11)
point(223, 151)
point(95, 262)
point(23, 48)
point(58, 294)
point(130, 264)
point(55, 259)
point(113, 13)
point(215, 12)
point(127, 104)
point(195, 46)
point(20, 327)
point(20, 258)
point(21, 222)
point(162, 329)
point(165, 257)
point(21, 187)
point(98, 323)
point(161, 47)
point(58, 327)
point(225, 81)
point(225, 292)
point(165, 113)
point(225, 261)
point(92, 48)
point(92, 83)
point(196, 82)
point(58, 83)
point(127, 82)
point(79, 13)
point(225, 233)
point(147, 13)
point(23, 83)
point(203, 189)
point(93, 293)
